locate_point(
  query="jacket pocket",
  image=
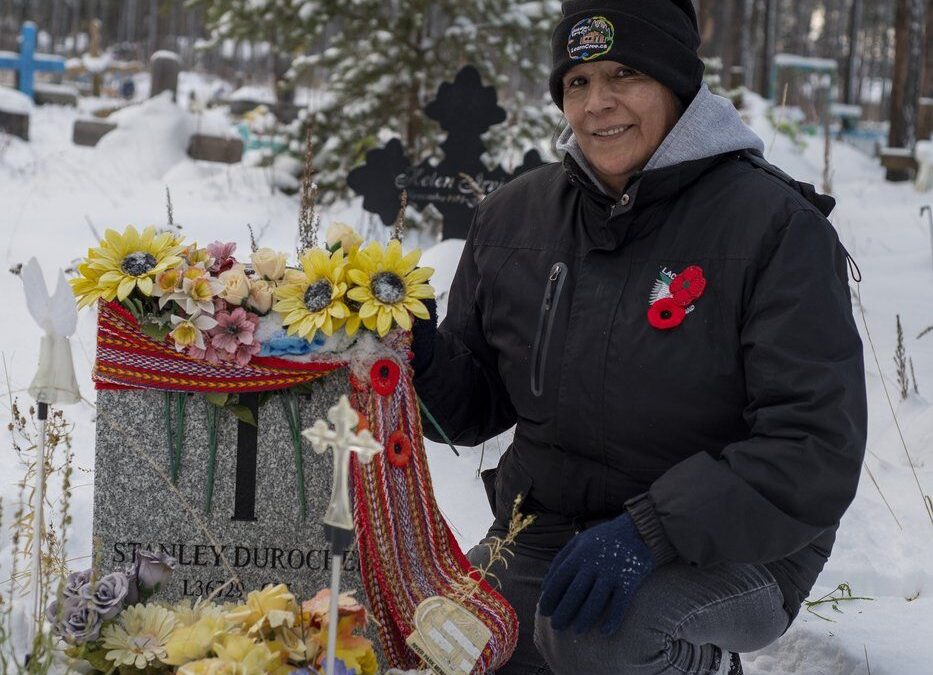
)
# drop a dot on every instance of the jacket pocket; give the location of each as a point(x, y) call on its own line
point(539, 350)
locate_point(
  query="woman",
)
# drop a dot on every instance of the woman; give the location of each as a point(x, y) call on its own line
point(665, 317)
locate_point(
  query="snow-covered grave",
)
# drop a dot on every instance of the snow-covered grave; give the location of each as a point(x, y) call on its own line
point(57, 198)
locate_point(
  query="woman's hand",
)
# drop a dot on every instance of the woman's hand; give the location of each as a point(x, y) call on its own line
point(596, 575)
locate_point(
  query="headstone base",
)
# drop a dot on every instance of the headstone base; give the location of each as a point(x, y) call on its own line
point(215, 149)
point(15, 124)
point(89, 132)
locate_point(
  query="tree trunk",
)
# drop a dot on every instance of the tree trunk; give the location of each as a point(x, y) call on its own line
point(927, 90)
point(905, 94)
point(851, 70)
point(770, 35)
point(153, 37)
point(707, 23)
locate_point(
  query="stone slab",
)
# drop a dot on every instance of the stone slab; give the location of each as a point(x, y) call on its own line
point(215, 149)
point(15, 124)
point(89, 132)
point(136, 506)
point(55, 94)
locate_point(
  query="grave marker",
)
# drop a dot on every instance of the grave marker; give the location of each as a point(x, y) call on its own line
point(165, 66)
point(465, 109)
point(14, 113)
point(27, 63)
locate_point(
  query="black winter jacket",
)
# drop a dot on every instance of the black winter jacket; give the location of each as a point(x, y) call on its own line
point(735, 436)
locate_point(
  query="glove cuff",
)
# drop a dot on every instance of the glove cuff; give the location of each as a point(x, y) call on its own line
point(641, 509)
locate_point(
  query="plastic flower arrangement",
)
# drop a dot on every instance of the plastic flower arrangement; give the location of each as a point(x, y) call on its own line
point(211, 306)
point(110, 626)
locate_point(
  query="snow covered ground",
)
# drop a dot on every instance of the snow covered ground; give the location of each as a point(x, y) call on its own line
point(55, 198)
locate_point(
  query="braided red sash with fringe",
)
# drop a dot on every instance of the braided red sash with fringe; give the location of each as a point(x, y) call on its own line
point(407, 551)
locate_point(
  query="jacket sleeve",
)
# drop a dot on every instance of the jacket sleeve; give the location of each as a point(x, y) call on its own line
point(769, 495)
point(461, 387)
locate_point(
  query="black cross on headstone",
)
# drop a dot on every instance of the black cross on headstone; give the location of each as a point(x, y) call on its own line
point(244, 500)
point(465, 109)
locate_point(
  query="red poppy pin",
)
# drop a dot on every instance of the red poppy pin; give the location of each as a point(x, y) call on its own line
point(384, 376)
point(398, 449)
point(673, 296)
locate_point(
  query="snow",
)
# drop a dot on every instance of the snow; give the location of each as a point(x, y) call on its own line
point(165, 54)
point(58, 197)
point(14, 101)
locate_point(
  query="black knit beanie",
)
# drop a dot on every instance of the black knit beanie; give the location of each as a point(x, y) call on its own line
point(657, 37)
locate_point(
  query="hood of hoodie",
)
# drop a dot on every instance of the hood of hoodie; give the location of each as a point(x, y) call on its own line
point(711, 126)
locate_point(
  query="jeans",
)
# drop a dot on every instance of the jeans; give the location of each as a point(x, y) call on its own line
point(682, 620)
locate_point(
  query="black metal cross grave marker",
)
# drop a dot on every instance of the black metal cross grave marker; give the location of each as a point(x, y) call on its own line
point(465, 109)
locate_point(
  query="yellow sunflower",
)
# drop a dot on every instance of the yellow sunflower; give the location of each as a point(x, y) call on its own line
point(313, 299)
point(389, 286)
point(125, 262)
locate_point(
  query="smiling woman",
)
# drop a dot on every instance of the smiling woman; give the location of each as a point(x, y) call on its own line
point(618, 116)
point(665, 319)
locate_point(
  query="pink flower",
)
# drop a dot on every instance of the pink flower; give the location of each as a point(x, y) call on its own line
point(208, 353)
point(245, 352)
point(233, 337)
point(222, 255)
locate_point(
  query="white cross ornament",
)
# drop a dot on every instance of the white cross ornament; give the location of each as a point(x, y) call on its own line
point(343, 440)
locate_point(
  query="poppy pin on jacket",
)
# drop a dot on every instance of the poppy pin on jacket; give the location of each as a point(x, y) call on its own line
point(673, 295)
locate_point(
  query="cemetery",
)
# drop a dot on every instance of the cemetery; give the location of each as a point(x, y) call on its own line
point(224, 227)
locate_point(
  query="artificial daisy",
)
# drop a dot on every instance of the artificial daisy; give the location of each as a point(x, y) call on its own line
point(125, 262)
point(389, 286)
point(138, 638)
point(313, 299)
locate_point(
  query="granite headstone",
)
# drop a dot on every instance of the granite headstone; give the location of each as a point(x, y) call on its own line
point(254, 527)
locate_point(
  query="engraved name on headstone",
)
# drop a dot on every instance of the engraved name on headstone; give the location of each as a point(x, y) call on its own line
point(255, 526)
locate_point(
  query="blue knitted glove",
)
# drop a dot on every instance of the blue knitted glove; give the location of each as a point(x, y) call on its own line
point(595, 575)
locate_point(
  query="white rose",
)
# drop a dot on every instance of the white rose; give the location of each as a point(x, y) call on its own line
point(269, 264)
point(261, 296)
point(343, 234)
point(235, 285)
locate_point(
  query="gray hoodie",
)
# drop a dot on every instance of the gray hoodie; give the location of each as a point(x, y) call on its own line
point(710, 126)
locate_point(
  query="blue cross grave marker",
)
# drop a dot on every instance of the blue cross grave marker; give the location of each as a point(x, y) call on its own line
point(27, 63)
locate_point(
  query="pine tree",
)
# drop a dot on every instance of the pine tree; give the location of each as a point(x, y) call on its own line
point(290, 27)
point(389, 58)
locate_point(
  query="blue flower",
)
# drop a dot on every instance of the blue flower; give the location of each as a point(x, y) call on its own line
point(281, 344)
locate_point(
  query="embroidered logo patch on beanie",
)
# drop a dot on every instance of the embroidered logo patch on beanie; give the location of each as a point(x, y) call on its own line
point(590, 38)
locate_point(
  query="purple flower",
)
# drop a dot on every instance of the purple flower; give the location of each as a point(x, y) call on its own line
point(106, 597)
point(152, 569)
point(76, 621)
point(76, 581)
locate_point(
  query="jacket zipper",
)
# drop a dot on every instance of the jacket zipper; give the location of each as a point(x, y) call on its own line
point(552, 292)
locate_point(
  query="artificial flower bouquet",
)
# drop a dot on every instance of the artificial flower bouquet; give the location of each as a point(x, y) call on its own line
point(110, 624)
point(213, 307)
